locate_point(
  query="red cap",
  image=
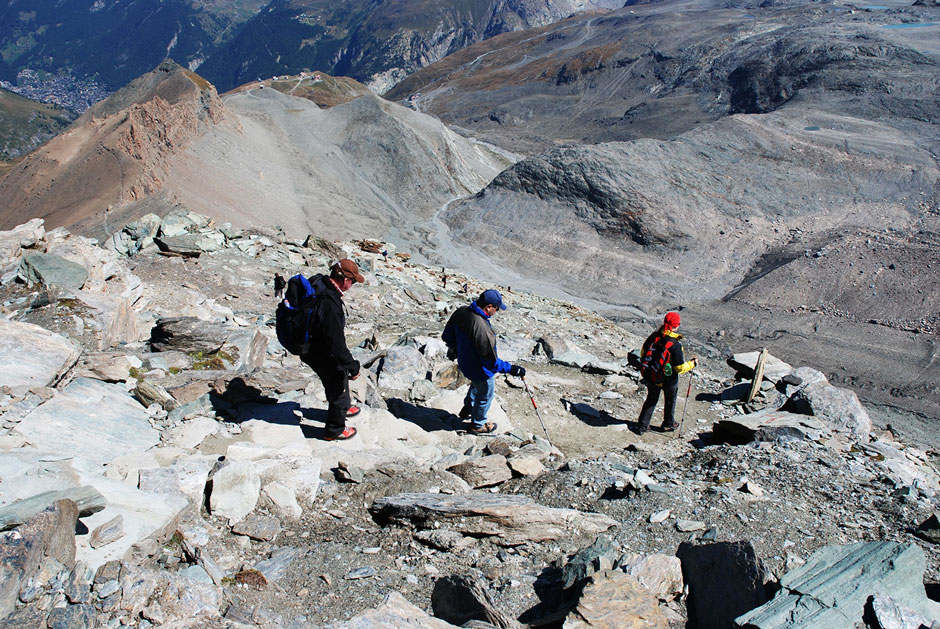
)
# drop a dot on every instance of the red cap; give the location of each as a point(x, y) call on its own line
point(348, 268)
point(671, 320)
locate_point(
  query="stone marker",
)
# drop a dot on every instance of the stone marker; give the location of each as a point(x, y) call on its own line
point(614, 600)
point(746, 362)
point(50, 355)
point(833, 586)
point(512, 519)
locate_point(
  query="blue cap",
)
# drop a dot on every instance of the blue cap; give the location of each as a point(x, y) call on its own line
point(491, 297)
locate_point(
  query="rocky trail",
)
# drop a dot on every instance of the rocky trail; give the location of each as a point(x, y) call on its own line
point(161, 460)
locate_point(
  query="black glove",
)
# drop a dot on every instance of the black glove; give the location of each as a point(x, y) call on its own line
point(516, 370)
point(451, 353)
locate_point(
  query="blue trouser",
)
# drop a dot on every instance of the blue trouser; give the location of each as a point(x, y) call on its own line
point(478, 399)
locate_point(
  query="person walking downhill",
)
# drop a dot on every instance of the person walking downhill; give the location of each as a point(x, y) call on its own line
point(279, 284)
point(662, 363)
point(469, 335)
point(328, 355)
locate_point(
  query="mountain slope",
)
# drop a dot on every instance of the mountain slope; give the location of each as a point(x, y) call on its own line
point(25, 124)
point(662, 69)
point(375, 42)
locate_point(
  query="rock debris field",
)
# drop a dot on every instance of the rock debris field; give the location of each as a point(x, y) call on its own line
point(161, 460)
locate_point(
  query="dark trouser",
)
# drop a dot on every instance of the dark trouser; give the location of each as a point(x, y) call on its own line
point(671, 389)
point(336, 384)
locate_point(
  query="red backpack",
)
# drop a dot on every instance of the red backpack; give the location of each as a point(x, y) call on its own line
point(655, 365)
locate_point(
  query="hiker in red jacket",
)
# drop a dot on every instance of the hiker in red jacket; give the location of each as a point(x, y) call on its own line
point(662, 362)
point(328, 355)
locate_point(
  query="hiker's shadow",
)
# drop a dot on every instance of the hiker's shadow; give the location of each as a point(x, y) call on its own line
point(554, 601)
point(427, 419)
point(590, 415)
point(241, 402)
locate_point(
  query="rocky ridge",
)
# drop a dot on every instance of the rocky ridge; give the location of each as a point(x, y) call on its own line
point(161, 415)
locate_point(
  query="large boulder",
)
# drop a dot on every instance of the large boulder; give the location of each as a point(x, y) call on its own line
point(832, 588)
point(839, 408)
point(52, 270)
point(48, 357)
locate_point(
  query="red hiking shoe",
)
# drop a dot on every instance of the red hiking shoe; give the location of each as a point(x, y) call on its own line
point(353, 411)
point(348, 433)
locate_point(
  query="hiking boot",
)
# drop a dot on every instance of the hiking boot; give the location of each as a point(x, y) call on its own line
point(348, 433)
point(464, 412)
point(485, 429)
point(353, 411)
point(670, 427)
point(641, 430)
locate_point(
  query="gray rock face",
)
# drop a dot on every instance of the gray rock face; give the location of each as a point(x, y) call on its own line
point(770, 425)
point(53, 270)
point(117, 421)
point(396, 611)
point(47, 534)
point(483, 472)
point(235, 490)
point(400, 367)
point(49, 357)
point(833, 586)
point(88, 500)
point(838, 408)
point(188, 334)
point(511, 519)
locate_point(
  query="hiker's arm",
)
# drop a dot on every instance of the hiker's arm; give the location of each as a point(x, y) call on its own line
point(334, 336)
point(680, 365)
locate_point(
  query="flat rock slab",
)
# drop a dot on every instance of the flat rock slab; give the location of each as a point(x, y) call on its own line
point(833, 586)
point(770, 425)
point(614, 600)
point(88, 500)
point(90, 419)
point(513, 519)
point(396, 611)
point(746, 362)
point(49, 357)
point(53, 270)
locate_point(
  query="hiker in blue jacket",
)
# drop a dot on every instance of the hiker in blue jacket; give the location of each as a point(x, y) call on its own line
point(470, 336)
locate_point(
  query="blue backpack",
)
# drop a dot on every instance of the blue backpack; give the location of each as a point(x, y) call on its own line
point(296, 315)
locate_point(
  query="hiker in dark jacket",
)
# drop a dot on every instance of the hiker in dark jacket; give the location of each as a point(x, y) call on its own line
point(470, 335)
point(676, 365)
point(279, 284)
point(328, 355)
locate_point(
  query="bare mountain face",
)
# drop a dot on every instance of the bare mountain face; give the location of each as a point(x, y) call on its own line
point(776, 173)
point(258, 157)
point(375, 42)
point(25, 124)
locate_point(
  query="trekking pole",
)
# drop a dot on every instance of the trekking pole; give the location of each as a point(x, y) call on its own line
point(537, 414)
point(687, 394)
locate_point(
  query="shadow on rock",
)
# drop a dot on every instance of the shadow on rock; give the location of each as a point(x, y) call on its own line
point(590, 415)
point(428, 419)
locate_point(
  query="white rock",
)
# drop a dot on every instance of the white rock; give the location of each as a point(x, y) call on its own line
point(235, 491)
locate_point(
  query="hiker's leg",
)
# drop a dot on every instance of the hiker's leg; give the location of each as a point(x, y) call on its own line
point(482, 397)
point(336, 386)
point(671, 391)
point(646, 414)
